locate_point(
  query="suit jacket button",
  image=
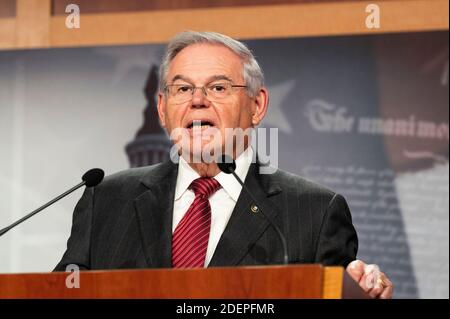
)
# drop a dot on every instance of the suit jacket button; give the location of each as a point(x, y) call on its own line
point(254, 208)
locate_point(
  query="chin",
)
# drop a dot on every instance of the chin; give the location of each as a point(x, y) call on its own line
point(204, 154)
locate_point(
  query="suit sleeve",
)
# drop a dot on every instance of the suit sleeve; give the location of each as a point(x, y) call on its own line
point(338, 242)
point(78, 245)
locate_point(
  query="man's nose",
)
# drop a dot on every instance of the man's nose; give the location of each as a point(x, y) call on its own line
point(199, 98)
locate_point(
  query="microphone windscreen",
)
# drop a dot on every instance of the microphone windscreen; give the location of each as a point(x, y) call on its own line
point(93, 177)
point(226, 164)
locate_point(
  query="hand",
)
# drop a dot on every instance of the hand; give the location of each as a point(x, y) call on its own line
point(371, 279)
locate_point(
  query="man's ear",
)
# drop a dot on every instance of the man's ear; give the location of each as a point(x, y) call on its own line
point(162, 109)
point(261, 102)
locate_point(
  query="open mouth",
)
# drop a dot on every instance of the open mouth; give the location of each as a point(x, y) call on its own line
point(201, 124)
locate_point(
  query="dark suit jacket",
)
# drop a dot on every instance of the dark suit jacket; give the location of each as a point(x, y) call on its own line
point(126, 222)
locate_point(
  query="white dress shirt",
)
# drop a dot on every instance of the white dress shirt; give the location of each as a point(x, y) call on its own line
point(222, 201)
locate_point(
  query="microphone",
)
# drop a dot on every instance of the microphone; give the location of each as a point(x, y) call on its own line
point(91, 178)
point(227, 165)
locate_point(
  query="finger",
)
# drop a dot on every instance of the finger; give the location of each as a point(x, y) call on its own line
point(369, 280)
point(365, 282)
point(380, 280)
point(376, 292)
point(368, 277)
point(371, 269)
point(371, 274)
point(356, 270)
point(388, 291)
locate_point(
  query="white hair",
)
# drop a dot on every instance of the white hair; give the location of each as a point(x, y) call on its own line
point(251, 71)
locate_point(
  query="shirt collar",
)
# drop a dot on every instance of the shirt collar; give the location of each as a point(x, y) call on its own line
point(186, 175)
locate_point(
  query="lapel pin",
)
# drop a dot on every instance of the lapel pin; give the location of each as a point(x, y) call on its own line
point(254, 208)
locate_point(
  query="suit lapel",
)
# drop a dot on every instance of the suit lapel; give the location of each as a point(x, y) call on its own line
point(245, 226)
point(154, 210)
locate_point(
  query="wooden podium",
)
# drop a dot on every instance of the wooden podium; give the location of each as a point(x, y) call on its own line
point(259, 282)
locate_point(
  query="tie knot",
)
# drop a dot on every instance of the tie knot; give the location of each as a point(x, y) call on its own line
point(205, 186)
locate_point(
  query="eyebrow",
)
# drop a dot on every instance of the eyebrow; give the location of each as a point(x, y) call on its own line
point(219, 77)
point(181, 77)
point(210, 79)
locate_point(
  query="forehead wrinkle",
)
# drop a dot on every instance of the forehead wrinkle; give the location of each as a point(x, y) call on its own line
point(221, 61)
point(181, 77)
point(219, 77)
point(210, 79)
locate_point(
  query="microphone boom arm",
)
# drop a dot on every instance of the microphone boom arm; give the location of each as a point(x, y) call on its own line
point(6, 229)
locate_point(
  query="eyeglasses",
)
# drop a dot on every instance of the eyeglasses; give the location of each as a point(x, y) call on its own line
point(181, 93)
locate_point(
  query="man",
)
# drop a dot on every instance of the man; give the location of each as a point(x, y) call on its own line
point(191, 214)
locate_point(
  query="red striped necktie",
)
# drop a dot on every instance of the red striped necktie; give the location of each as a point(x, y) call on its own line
point(190, 238)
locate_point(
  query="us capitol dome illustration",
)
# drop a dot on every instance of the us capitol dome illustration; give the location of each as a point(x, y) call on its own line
point(151, 144)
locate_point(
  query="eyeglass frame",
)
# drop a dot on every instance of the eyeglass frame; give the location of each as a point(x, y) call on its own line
point(203, 88)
